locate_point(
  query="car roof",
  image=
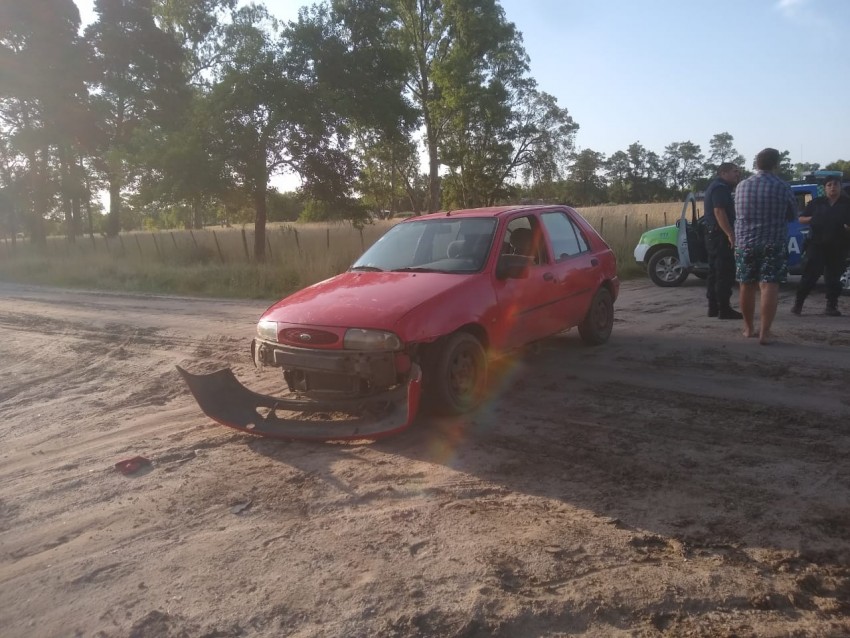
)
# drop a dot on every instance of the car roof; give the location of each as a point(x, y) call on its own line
point(491, 211)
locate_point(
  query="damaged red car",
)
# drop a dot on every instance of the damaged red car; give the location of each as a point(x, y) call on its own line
point(417, 319)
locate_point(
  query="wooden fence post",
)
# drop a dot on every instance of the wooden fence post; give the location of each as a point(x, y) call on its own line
point(601, 225)
point(194, 241)
point(362, 245)
point(245, 245)
point(625, 225)
point(269, 245)
point(174, 241)
point(139, 245)
point(218, 247)
point(665, 217)
point(156, 243)
point(328, 235)
point(646, 222)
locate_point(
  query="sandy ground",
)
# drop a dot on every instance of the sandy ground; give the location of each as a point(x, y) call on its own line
point(679, 481)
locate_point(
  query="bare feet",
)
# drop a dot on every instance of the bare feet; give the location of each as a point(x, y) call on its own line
point(766, 339)
point(749, 332)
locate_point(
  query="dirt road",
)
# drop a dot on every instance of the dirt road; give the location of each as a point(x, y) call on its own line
point(679, 481)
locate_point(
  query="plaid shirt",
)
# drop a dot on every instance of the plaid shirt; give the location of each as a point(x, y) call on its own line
point(764, 205)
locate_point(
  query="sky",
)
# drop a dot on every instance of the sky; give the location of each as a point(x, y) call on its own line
point(772, 73)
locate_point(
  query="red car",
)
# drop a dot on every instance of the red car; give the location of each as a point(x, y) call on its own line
point(432, 300)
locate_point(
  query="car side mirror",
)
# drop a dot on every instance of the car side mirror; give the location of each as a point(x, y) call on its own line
point(512, 267)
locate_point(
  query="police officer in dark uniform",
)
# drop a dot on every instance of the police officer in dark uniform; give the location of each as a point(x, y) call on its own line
point(719, 219)
point(826, 249)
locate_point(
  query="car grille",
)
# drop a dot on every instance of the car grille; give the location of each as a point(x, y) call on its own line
point(306, 337)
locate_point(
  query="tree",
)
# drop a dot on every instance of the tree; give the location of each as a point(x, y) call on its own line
point(802, 168)
point(41, 101)
point(464, 53)
point(684, 162)
point(293, 101)
point(140, 86)
point(198, 26)
point(721, 150)
point(840, 165)
point(786, 168)
point(389, 170)
point(500, 135)
point(178, 166)
point(617, 169)
point(586, 186)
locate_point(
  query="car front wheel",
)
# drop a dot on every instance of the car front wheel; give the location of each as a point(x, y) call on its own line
point(599, 321)
point(456, 374)
point(665, 270)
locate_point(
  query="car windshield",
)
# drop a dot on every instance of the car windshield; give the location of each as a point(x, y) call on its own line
point(446, 244)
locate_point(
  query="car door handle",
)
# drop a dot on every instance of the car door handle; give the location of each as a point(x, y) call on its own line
point(594, 262)
point(548, 277)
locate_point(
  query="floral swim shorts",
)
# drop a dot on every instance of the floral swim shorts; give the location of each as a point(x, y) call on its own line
point(767, 263)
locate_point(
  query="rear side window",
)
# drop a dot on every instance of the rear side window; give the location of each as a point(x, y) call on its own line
point(567, 238)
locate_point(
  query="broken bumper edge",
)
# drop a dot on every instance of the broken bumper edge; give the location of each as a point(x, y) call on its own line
point(224, 399)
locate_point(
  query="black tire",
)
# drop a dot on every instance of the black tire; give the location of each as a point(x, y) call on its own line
point(599, 321)
point(455, 375)
point(665, 270)
point(700, 275)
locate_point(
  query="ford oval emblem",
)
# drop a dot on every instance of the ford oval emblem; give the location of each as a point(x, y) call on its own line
point(304, 336)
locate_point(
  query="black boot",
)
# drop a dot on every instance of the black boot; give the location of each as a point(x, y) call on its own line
point(797, 308)
point(831, 309)
point(729, 313)
point(712, 310)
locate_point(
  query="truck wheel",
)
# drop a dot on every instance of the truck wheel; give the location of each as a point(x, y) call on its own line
point(664, 268)
point(597, 324)
point(455, 374)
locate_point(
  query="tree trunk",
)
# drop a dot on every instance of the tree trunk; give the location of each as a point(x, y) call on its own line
point(38, 185)
point(197, 222)
point(260, 221)
point(433, 175)
point(113, 220)
point(66, 186)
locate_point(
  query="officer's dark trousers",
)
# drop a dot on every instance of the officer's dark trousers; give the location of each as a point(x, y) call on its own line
point(721, 269)
point(823, 260)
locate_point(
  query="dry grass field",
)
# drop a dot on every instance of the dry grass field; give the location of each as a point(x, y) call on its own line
point(219, 261)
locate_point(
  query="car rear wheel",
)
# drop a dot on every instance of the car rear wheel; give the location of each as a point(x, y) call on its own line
point(599, 321)
point(665, 270)
point(456, 374)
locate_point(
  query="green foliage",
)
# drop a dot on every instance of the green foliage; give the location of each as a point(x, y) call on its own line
point(316, 210)
point(840, 165)
point(684, 164)
point(186, 109)
point(284, 207)
point(721, 150)
point(139, 87)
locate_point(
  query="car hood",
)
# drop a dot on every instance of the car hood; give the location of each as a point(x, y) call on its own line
point(363, 299)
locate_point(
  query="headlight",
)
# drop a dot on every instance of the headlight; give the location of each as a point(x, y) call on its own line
point(267, 330)
point(360, 339)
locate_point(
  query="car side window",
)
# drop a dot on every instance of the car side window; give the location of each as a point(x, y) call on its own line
point(524, 237)
point(567, 239)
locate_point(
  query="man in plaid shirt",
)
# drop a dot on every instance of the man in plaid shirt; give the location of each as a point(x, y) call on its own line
point(764, 206)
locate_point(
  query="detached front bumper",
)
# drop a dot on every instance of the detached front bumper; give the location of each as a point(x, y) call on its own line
point(222, 398)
